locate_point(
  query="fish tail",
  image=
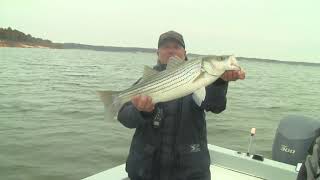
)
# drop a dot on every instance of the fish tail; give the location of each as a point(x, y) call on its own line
point(112, 103)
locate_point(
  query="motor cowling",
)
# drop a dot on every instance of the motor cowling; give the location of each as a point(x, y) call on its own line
point(294, 137)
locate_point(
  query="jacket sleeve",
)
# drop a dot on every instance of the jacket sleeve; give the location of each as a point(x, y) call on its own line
point(131, 117)
point(215, 100)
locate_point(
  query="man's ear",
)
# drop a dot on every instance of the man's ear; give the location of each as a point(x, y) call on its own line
point(158, 52)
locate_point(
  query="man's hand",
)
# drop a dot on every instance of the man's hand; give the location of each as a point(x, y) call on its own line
point(143, 103)
point(233, 75)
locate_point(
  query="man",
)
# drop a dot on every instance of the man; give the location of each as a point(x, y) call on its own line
point(170, 140)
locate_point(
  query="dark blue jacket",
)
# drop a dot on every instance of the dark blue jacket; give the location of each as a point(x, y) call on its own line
point(171, 142)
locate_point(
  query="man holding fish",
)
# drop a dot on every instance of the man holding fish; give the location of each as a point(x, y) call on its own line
point(167, 109)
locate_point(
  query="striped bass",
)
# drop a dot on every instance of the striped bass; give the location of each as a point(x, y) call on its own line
point(180, 78)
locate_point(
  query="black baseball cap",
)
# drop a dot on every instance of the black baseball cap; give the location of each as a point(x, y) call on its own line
point(171, 36)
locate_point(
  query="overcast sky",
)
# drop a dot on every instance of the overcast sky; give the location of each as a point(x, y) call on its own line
point(277, 29)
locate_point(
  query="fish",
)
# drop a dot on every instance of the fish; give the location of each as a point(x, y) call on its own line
point(179, 79)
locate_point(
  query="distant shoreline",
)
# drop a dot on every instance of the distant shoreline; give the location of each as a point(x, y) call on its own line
point(13, 38)
point(133, 50)
point(106, 48)
point(21, 44)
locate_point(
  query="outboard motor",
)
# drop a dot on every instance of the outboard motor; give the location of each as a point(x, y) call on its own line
point(294, 136)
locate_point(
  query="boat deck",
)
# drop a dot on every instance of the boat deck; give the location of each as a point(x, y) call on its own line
point(226, 164)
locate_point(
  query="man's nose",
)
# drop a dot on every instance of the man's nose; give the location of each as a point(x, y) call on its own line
point(171, 52)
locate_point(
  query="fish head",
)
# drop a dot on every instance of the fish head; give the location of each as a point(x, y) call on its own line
point(219, 64)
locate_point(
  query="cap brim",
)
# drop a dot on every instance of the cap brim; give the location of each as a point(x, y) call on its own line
point(170, 39)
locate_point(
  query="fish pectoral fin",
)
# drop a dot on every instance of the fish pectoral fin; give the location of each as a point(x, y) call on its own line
point(199, 96)
point(201, 74)
point(215, 75)
point(174, 62)
point(211, 74)
point(148, 72)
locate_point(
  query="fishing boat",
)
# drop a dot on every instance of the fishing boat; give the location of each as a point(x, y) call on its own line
point(294, 136)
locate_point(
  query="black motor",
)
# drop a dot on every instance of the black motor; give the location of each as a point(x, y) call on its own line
point(294, 136)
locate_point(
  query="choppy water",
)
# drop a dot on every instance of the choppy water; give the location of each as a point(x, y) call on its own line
point(52, 125)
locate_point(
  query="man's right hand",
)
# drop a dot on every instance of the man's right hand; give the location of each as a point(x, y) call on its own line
point(143, 103)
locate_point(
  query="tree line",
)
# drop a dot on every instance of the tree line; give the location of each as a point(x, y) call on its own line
point(9, 34)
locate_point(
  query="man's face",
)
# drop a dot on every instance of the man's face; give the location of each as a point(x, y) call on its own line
point(170, 49)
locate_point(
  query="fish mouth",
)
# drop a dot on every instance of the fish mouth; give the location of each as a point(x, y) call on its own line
point(235, 67)
point(233, 63)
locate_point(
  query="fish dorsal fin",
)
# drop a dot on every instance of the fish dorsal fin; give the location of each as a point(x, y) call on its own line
point(174, 62)
point(148, 71)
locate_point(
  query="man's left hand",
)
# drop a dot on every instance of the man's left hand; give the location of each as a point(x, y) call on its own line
point(233, 75)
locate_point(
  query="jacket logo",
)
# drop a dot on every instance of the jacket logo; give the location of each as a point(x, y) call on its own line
point(286, 149)
point(195, 147)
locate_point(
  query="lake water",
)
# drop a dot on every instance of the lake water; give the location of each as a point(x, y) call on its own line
point(52, 124)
